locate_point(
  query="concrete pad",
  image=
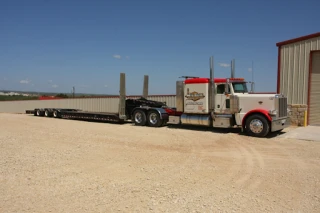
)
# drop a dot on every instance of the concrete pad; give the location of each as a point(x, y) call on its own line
point(310, 133)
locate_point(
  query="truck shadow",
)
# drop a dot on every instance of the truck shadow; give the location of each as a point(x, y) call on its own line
point(220, 130)
point(205, 129)
point(185, 127)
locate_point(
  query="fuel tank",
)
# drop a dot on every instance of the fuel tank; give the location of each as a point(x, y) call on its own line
point(200, 120)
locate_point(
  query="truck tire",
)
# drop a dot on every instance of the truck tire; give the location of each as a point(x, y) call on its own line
point(257, 126)
point(154, 119)
point(139, 118)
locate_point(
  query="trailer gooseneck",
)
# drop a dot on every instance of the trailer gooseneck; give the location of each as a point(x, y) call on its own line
point(211, 102)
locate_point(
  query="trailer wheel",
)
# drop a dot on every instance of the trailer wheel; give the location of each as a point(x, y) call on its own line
point(56, 114)
point(139, 118)
point(47, 113)
point(257, 126)
point(154, 119)
point(39, 112)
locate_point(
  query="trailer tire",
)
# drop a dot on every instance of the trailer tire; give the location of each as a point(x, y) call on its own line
point(56, 114)
point(139, 118)
point(154, 119)
point(47, 113)
point(39, 113)
point(257, 126)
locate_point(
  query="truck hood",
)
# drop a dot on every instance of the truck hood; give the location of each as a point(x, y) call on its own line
point(248, 102)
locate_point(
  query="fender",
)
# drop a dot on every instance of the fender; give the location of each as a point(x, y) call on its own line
point(162, 112)
point(261, 111)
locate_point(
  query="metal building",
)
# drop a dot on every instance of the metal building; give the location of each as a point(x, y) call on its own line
point(299, 73)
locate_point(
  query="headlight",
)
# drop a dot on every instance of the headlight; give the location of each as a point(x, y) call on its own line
point(273, 112)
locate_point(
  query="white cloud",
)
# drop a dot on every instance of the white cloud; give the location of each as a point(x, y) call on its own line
point(127, 57)
point(54, 86)
point(224, 65)
point(117, 56)
point(50, 81)
point(249, 69)
point(24, 81)
point(105, 85)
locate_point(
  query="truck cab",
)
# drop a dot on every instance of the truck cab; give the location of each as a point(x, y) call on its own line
point(223, 91)
point(226, 103)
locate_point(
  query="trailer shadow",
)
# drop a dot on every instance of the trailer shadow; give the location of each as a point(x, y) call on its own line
point(85, 120)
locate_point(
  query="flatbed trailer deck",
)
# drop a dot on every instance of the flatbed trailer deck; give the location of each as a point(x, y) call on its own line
point(76, 114)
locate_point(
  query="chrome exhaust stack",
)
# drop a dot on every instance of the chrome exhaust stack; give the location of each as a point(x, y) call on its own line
point(232, 68)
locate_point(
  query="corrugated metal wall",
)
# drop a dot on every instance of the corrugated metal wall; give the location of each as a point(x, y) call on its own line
point(109, 104)
point(314, 112)
point(294, 69)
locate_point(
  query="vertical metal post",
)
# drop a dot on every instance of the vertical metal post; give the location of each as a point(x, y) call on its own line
point(145, 86)
point(232, 68)
point(180, 96)
point(211, 86)
point(122, 101)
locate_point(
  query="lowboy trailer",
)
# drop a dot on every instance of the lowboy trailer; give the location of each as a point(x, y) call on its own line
point(211, 102)
point(140, 111)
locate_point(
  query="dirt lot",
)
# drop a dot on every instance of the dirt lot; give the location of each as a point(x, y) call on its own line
point(55, 165)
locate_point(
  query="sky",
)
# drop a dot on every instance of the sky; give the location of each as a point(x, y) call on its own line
point(51, 46)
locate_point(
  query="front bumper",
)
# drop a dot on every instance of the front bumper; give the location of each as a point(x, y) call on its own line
point(280, 124)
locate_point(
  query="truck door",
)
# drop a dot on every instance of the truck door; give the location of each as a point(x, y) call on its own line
point(222, 101)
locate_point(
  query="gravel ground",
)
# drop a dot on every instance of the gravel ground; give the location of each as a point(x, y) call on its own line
point(56, 165)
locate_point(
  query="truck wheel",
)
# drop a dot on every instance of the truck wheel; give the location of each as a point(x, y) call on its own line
point(154, 119)
point(139, 118)
point(257, 126)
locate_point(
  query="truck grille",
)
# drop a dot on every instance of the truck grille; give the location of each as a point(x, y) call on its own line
point(282, 106)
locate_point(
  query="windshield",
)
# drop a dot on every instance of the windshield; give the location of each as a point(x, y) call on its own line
point(240, 87)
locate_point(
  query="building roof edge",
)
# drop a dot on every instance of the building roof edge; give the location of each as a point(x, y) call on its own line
point(294, 40)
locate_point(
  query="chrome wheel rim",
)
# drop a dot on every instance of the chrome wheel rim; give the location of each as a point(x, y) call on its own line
point(38, 112)
point(153, 118)
point(256, 126)
point(55, 113)
point(138, 117)
point(46, 113)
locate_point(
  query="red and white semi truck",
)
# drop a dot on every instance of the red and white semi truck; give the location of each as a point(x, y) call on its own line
point(211, 102)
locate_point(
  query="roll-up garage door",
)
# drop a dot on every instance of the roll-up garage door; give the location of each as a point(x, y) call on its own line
point(314, 110)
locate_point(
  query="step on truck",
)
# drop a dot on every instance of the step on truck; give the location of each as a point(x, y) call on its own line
point(211, 102)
